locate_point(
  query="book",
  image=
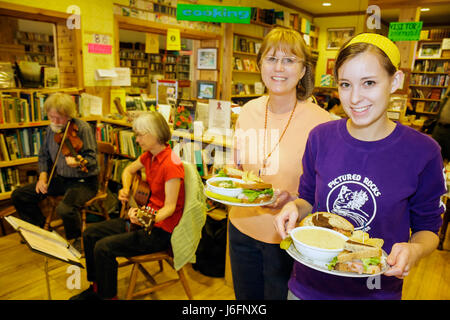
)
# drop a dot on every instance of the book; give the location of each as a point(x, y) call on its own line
point(184, 114)
point(45, 242)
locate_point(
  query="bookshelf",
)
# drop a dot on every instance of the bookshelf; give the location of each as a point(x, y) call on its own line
point(144, 65)
point(428, 82)
point(39, 47)
point(246, 78)
point(133, 56)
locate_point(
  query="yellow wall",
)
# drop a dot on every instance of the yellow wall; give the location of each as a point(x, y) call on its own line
point(358, 22)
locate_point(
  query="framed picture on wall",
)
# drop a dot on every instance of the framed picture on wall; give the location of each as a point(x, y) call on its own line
point(207, 59)
point(430, 50)
point(336, 37)
point(206, 89)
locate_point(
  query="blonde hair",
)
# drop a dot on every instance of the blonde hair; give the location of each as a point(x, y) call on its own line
point(290, 41)
point(154, 123)
point(61, 103)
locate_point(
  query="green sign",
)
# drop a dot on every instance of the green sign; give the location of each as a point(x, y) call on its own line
point(195, 12)
point(405, 31)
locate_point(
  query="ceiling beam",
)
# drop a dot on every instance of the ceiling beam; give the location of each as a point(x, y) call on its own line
point(396, 4)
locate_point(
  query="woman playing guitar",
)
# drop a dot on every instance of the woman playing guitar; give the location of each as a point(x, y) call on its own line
point(104, 241)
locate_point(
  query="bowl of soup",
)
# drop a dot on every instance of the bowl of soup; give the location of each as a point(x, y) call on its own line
point(317, 243)
point(225, 186)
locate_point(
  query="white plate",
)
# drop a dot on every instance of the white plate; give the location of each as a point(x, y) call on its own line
point(322, 266)
point(241, 204)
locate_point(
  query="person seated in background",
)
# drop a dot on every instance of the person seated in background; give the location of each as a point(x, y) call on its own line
point(106, 240)
point(69, 178)
point(441, 132)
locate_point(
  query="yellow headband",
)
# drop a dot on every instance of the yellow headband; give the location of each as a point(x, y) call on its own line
point(381, 42)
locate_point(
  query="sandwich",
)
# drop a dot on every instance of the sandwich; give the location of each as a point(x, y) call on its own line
point(256, 192)
point(360, 257)
point(328, 220)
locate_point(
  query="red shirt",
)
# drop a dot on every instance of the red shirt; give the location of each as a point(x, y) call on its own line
point(160, 169)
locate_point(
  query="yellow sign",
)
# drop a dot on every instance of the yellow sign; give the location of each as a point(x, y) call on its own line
point(173, 40)
point(151, 43)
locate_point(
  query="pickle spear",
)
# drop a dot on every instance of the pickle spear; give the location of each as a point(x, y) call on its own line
point(221, 197)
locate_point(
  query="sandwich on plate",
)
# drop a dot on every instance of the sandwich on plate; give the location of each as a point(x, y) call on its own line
point(255, 190)
point(362, 256)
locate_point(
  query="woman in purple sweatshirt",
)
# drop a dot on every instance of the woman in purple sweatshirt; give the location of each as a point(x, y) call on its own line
point(384, 177)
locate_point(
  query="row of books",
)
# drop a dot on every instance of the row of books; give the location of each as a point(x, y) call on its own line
point(123, 139)
point(21, 143)
point(266, 16)
point(134, 63)
point(34, 36)
point(244, 64)
point(428, 93)
point(27, 107)
point(435, 34)
point(430, 80)
point(133, 54)
point(248, 89)
point(428, 107)
point(431, 66)
point(245, 45)
point(9, 179)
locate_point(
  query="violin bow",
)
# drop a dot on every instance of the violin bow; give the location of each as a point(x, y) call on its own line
point(59, 152)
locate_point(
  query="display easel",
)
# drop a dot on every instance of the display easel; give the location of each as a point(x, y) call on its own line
point(49, 244)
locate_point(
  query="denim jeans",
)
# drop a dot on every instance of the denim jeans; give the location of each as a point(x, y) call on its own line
point(260, 270)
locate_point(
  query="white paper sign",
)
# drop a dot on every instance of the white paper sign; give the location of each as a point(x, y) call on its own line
point(123, 77)
point(219, 115)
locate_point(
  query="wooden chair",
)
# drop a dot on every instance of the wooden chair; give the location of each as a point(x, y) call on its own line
point(106, 157)
point(167, 256)
point(106, 154)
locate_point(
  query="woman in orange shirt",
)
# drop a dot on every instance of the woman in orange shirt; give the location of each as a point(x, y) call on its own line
point(270, 139)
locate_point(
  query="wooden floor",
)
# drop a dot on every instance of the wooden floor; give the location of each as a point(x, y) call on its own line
point(22, 277)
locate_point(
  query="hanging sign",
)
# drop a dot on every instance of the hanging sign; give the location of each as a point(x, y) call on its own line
point(151, 43)
point(405, 31)
point(173, 40)
point(195, 12)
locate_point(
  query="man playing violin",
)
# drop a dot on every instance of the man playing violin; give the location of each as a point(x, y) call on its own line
point(60, 173)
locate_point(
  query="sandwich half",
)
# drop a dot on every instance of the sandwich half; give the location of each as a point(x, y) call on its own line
point(358, 257)
point(329, 220)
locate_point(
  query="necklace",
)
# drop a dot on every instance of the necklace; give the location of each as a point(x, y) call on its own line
point(266, 157)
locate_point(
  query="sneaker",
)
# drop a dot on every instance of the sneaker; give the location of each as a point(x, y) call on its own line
point(88, 294)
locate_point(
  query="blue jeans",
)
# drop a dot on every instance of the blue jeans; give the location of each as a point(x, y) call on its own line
point(260, 270)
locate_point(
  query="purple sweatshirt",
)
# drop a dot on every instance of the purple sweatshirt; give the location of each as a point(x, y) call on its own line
point(386, 188)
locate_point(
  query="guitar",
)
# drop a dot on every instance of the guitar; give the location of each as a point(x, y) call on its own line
point(141, 194)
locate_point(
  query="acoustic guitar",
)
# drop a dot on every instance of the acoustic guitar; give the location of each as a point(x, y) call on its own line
point(141, 194)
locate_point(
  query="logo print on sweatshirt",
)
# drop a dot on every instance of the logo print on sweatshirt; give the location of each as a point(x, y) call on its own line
point(353, 198)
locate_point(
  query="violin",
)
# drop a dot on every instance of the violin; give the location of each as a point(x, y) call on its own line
point(70, 144)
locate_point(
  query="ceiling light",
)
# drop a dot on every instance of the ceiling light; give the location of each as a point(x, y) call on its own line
point(326, 4)
point(425, 9)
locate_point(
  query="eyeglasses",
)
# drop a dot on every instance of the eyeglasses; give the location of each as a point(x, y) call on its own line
point(140, 134)
point(285, 61)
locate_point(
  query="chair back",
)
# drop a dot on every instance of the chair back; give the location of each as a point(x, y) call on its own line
point(106, 155)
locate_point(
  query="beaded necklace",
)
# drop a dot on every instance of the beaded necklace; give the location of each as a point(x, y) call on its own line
point(264, 162)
